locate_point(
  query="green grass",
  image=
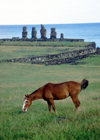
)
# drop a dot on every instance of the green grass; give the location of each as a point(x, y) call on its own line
point(17, 79)
point(92, 60)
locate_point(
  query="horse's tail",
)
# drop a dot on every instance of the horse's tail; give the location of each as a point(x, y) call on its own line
point(84, 84)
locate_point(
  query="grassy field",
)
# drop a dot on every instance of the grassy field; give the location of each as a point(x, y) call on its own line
point(18, 79)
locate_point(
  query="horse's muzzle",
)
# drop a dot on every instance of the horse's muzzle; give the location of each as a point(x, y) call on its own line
point(24, 109)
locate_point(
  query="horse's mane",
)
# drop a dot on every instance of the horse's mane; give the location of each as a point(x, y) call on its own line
point(34, 91)
point(28, 95)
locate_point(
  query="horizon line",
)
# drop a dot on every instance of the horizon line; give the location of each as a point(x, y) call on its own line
point(51, 23)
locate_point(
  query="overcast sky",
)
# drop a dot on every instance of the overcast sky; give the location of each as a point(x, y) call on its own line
point(49, 11)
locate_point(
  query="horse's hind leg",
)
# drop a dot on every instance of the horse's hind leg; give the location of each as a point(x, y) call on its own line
point(51, 101)
point(76, 102)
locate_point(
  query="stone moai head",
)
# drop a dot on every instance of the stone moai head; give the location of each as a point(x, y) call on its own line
point(24, 33)
point(61, 36)
point(53, 33)
point(24, 29)
point(43, 32)
point(34, 33)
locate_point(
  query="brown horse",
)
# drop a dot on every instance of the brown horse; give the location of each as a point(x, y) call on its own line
point(51, 92)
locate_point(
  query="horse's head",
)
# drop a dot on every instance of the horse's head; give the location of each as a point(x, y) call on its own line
point(27, 103)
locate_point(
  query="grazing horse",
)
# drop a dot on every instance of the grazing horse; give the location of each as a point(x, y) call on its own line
point(51, 92)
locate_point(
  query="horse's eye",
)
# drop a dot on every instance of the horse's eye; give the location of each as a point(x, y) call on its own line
point(26, 102)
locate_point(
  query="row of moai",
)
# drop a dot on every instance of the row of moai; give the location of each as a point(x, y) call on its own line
point(43, 31)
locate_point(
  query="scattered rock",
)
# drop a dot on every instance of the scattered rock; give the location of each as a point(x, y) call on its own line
point(96, 98)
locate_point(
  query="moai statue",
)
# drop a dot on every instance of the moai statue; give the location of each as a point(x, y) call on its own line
point(61, 36)
point(24, 33)
point(34, 33)
point(43, 32)
point(53, 33)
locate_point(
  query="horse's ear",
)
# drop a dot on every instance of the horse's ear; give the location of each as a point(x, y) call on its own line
point(26, 95)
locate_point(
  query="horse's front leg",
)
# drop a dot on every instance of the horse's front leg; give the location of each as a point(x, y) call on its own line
point(49, 106)
point(53, 105)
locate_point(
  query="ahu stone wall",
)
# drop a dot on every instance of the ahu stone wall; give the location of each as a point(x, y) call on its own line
point(61, 58)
